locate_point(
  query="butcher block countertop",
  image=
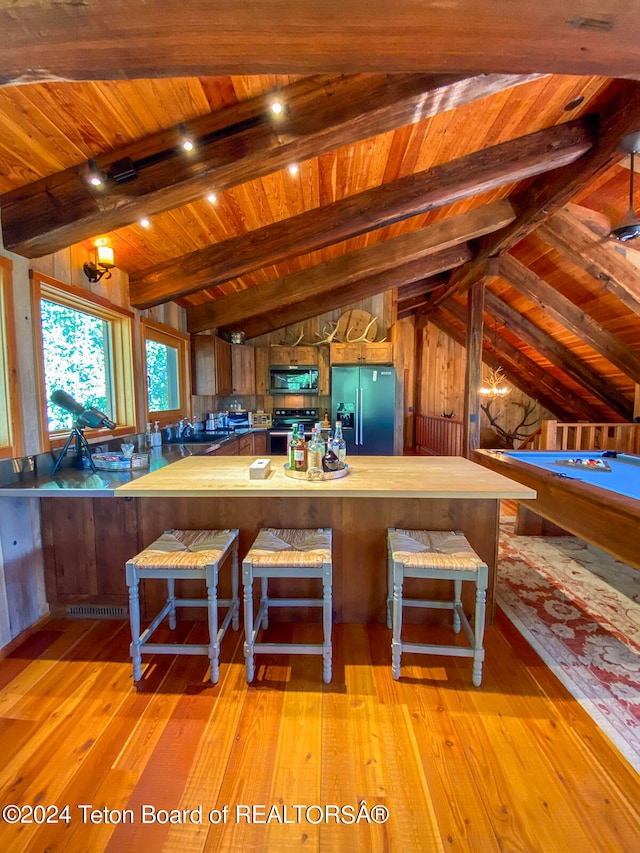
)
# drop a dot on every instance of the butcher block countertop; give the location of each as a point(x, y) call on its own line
point(369, 476)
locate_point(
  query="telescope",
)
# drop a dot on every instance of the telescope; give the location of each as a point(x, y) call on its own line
point(85, 417)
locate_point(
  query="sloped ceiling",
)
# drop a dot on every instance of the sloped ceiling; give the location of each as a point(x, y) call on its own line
point(501, 165)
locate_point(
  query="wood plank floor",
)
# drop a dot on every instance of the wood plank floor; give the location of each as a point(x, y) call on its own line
point(516, 765)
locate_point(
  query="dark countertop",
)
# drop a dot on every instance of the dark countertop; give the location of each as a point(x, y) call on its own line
point(71, 481)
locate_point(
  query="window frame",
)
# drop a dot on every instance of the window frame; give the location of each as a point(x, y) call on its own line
point(126, 414)
point(11, 438)
point(162, 334)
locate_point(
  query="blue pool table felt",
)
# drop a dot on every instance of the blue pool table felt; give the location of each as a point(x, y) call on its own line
point(624, 477)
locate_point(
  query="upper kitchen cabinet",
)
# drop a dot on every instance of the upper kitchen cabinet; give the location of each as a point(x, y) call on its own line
point(211, 365)
point(294, 355)
point(243, 369)
point(262, 369)
point(362, 352)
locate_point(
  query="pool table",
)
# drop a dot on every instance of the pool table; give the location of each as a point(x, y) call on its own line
point(599, 505)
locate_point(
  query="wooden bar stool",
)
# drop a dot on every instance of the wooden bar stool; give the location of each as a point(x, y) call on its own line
point(285, 553)
point(439, 555)
point(176, 555)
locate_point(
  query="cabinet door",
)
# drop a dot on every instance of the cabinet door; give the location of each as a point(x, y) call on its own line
point(262, 370)
point(223, 367)
point(211, 365)
point(378, 353)
point(304, 355)
point(259, 443)
point(243, 369)
point(229, 448)
point(346, 353)
point(324, 371)
point(245, 445)
point(281, 355)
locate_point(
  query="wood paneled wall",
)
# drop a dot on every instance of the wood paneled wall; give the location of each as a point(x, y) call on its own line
point(440, 386)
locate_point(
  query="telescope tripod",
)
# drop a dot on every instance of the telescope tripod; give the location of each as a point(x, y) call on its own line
point(82, 449)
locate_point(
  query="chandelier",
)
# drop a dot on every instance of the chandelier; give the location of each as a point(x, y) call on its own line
point(496, 384)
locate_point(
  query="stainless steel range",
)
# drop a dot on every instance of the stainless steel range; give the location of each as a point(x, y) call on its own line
point(283, 420)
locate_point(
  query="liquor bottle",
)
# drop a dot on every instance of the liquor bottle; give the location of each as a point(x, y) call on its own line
point(291, 440)
point(321, 439)
point(330, 461)
point(315, 450)
point(300, 453)
point(339, 445)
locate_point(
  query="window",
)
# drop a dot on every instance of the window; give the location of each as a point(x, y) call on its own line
point(86, 346)
point(10, 435)
point(168, 389)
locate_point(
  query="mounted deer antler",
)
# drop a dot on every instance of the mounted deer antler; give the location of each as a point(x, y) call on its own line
point(329, 336)
point(363, 336)
point(286, 343)
point(515, 434)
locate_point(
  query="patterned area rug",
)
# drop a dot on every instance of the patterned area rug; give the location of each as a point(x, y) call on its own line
point(580, 610)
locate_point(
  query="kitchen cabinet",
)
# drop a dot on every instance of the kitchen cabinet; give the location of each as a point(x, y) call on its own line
point(262, 357)
point(245, 445)
point(211, 365)
point(259, 447)
point(362, 352)
point(294, 355)
point(324, 371)
point(227, 448)
point(243, 369)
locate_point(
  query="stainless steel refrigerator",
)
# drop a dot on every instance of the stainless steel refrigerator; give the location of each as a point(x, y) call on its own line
point(363, 398)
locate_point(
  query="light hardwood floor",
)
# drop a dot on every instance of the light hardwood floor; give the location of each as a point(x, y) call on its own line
point(515, 765)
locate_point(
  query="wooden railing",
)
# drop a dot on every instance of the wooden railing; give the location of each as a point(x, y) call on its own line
point(438, 436)
point(584, 436)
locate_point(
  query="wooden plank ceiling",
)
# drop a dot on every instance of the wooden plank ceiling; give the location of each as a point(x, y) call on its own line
point(421, 181)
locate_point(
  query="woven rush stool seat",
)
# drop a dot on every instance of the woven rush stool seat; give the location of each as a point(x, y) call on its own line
point(439, 555)
point(177, 555)
point(287, 553)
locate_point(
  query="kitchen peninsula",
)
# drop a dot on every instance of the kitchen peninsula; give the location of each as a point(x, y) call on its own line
point(379, 492)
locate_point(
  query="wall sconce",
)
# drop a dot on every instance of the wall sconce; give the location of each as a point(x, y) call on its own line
point(103, 265)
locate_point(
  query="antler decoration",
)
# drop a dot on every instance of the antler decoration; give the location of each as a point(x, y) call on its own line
point(329, 336)
point(286, 343)
point(363, 336)
point(514, 434)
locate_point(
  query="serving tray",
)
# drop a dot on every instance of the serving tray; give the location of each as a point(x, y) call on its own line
point(315, 474)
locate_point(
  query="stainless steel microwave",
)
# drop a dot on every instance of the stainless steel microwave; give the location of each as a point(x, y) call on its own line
point(291, 379)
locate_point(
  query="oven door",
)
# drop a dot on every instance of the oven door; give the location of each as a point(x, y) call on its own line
point(277, 442)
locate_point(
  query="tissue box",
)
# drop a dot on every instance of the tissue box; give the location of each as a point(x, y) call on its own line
point(260, 469)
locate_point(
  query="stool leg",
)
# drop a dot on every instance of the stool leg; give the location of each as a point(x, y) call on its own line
point(247, 578)
point(235, 600)
point(264, 601)
point(326, 624)
point(478, 630)
point(396, 642)
point(134, 620)
point(171, 599)
point(212, 613)
point(389, 588)
point(457, 602)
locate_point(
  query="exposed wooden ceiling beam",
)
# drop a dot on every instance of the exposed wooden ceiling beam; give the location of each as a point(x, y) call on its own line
point(568, 233)
point(487, 169)
point(371, 285)
point(570, 316)
point(548, 193)
point(342, 271)
point(516, 377)
point(540, 382)
point(233, 145)
point(114, 39)
point(558, 355)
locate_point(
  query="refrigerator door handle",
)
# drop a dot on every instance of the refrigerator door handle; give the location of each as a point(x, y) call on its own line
point(357, 420)
point(362, 416)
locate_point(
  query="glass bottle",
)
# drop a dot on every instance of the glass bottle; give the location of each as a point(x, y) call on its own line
point(330, 461)
point(291, 440)
point(300, 453)
point(315, 450)
point(339, 445)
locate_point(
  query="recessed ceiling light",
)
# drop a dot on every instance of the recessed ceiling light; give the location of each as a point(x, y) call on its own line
point(186, 142)
point(212, 197)
point(145, 222)
point(293, 169)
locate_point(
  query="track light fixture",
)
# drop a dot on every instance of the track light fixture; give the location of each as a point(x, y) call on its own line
point(103, 265)
point(186, 140)
point(94, 176)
